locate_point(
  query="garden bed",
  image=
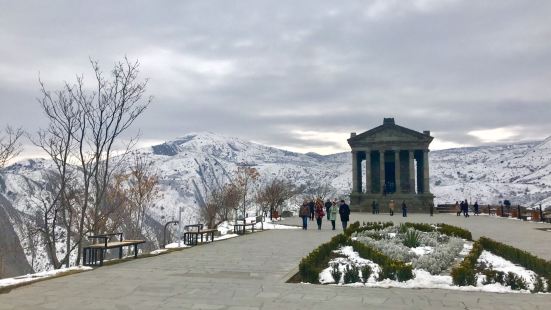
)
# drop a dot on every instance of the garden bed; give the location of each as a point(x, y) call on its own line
point(423, 256)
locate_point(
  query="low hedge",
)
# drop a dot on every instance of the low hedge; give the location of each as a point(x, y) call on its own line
point(420, 226)
point(352, 228)
point(311, 265)
point(373, 226)
point(465, 273)
point(455, 231)
point(517, 256)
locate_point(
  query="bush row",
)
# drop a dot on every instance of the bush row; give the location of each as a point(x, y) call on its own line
point(390, 269)
point(420, 226)
point(465, 273)
point(517, 256)
point(372, 226)
point(311, 265)
point(454, 231)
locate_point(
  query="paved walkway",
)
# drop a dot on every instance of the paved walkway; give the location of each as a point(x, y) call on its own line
point(247, 273)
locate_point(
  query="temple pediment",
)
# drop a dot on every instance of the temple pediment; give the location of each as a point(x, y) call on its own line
point(389, 132)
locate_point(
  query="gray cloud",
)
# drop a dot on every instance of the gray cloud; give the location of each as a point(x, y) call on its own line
point(269, 70)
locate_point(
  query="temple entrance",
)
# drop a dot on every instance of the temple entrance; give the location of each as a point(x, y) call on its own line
point(390, 176)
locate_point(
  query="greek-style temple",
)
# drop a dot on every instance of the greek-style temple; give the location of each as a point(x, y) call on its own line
point(396, 164)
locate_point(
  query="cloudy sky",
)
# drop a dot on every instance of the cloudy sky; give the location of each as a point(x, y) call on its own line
point(300, 75)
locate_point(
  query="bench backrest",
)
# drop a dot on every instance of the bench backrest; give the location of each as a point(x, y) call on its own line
point(259, 219)
point(105, 237)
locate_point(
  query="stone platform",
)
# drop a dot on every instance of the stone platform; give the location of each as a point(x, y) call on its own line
point(360, 202)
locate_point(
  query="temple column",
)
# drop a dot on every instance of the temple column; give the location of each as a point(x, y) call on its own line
point(397, 171)
point(382, 169)
point(426, 171)
point(411, 173)
point(368, 171)
point(354, 171)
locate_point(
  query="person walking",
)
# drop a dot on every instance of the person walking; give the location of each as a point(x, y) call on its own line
point(458, 208)
point(431, 208)
point(373, 206)
point(391, 206)
point(377, 208)
point(304, 212)
point(312, 208)
point(332, 213)
point(476, 208)
point(319, 212)
point(328, 205)
point(404, 209)
point(466, 208)
point(344, 211)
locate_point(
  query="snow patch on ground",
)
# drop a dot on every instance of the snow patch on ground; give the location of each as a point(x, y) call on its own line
point(39, 275)
point(422, 250)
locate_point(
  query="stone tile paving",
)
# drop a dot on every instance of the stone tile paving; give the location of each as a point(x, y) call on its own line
point(250, 273)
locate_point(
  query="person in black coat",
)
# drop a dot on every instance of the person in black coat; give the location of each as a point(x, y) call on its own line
point(344, 211)
point(404, 209)
point(328, 205)
point(312, 207)
point(476, 208)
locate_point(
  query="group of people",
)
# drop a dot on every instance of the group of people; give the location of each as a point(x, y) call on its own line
point(318, 210)
point(463, 208)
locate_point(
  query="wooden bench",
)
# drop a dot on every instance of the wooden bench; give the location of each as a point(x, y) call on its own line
point(94, 254)
point(241, 228)
point(192, 237)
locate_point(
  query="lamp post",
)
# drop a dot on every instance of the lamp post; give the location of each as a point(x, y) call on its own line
point(180, 210)
point(164, 232)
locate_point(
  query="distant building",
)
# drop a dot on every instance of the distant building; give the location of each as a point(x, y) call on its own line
point(396, 167)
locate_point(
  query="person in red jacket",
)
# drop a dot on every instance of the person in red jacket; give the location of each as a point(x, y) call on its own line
point(319, 212)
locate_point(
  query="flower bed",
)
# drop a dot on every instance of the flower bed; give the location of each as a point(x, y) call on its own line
point(423, 256)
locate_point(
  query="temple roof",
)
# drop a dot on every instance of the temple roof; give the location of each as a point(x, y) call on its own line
point(390, 134)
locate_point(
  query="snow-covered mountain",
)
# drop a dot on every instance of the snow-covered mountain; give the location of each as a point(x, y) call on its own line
point(186, 166)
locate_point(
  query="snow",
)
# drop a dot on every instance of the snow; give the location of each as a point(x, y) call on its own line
point(174, 245)
point(422, 250)
point(158, 252)
point(39, 275)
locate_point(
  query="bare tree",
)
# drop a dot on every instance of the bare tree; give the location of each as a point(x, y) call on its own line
point(246, 181)
point(57, 141)
point(10, 146)
point(102, 115)
point(274, 194)
point(323, 191)
point(142, 191)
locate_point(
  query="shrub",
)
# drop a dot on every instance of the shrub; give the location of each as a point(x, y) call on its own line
point(336, 273)
point(455, 231)
point(366, 273)
point(517, 256)
point(539, 286)
point(515, 281)
point(493, 276)
point(441, 258)
point(351, 274)
point(411, 239)
point(465, 273)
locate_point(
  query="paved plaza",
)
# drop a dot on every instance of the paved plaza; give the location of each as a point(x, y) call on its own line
point(250, 272)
